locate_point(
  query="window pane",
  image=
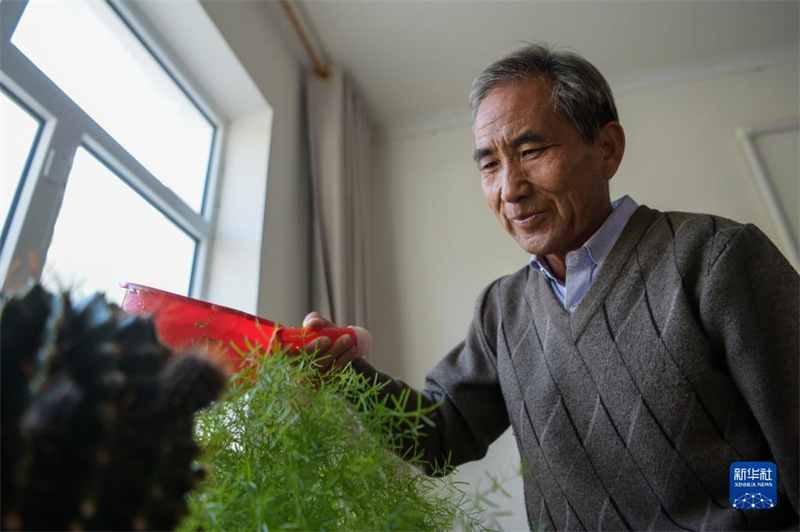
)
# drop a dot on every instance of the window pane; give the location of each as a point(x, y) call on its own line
point(17, 135)
point(106, 233)
point(86, 49)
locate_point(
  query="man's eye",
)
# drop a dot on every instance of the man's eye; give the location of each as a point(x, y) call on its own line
point(488, 165)
point(531, 151)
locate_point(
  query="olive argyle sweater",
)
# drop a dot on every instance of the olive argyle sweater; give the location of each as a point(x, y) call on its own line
point(681, 359)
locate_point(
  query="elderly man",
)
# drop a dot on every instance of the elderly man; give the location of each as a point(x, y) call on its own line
point(639, 354)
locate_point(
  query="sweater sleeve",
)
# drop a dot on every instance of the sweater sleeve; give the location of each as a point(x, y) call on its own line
point(470, 411)
point(749, 306)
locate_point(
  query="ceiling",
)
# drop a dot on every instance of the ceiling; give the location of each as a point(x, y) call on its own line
point(413, 61)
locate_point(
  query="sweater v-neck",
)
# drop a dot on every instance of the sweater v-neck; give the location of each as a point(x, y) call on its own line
point(538, 293)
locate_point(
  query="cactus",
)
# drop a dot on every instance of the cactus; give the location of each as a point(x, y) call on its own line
point(97, 417)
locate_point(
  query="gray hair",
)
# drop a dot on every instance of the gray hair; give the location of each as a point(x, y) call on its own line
point(578, 91)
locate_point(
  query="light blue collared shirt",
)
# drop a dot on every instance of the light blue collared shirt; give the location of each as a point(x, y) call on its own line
point(583, 263)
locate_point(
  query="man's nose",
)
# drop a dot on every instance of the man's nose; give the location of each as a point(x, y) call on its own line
point(515, 183)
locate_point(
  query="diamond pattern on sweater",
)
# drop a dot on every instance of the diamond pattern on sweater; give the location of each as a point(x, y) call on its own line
point(627, 412)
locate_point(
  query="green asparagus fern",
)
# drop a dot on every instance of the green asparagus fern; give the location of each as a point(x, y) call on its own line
point(292, 449)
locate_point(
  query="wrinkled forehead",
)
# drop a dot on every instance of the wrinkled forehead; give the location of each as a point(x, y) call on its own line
point(507, 106)
point(521, 86)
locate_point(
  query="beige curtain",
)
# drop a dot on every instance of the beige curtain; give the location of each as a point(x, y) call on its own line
point(341, 146)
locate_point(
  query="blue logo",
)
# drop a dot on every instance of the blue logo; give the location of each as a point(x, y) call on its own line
point(754, 485)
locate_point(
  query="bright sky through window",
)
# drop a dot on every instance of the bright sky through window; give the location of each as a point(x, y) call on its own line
point(107, 234)
point(17, 133)
point(86, 49)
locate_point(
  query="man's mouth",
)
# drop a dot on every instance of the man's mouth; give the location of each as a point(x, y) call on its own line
point(527, 220)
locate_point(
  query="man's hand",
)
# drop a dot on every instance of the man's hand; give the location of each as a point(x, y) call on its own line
point(332, 354)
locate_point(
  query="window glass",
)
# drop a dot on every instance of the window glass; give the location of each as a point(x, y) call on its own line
point(106, 234)
point(89, 52)
point(17, 134)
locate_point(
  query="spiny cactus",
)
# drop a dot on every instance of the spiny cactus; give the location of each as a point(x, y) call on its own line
point(97, 417)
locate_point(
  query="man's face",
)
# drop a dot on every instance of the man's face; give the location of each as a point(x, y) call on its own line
point(547, 186)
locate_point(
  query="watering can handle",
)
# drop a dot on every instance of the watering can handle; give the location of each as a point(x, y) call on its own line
point(297, 337)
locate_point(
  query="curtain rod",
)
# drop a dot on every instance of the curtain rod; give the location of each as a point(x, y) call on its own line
point(320, 69)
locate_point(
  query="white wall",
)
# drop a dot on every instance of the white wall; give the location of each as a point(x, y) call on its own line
point(437, 244)
point(683, 152)
point(252, 33)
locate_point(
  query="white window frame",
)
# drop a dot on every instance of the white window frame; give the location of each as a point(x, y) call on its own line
point(748, 137)
point(64, 128)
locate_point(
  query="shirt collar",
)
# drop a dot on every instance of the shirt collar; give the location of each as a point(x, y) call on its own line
point(599, 244)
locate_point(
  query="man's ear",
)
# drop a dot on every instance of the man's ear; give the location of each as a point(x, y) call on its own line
point(610, 140)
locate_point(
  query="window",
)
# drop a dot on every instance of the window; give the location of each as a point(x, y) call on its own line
point(119, 185)
point(106, 232)
point(18, 130)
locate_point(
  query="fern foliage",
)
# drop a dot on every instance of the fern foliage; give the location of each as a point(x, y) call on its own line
point(293, 449)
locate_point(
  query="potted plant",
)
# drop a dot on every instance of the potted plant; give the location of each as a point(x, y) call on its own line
point(104, 427)
point(97, 417)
